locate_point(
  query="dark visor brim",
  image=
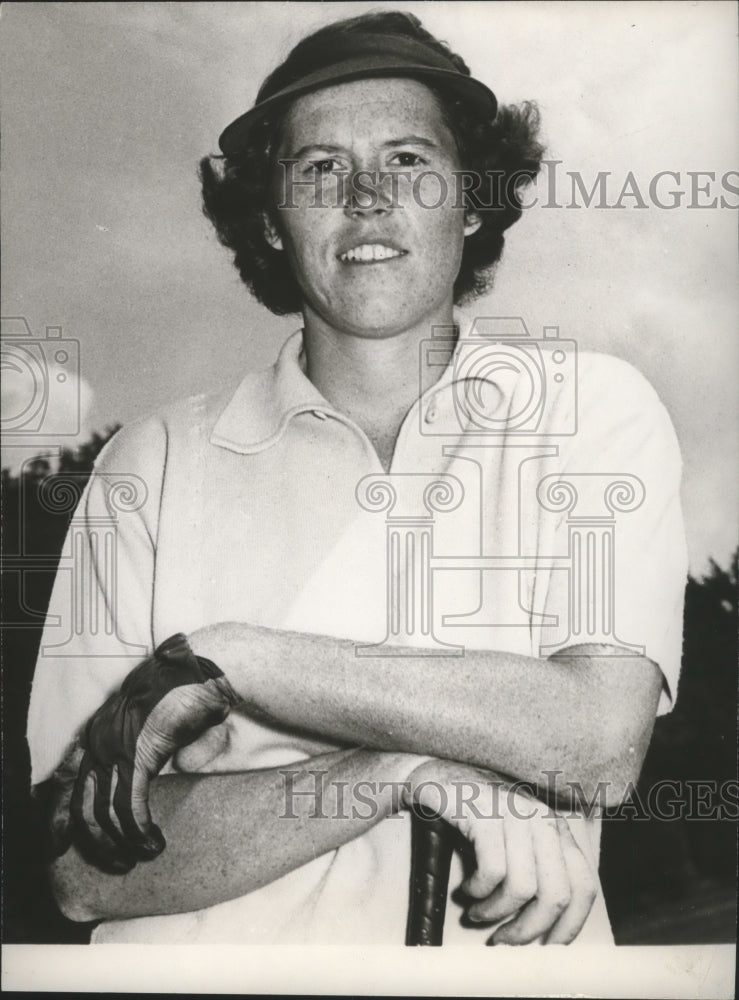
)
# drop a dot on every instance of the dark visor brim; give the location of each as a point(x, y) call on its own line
point(235, 136)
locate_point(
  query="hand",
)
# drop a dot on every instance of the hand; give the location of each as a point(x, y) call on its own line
point(529, 873)
point(102, 799)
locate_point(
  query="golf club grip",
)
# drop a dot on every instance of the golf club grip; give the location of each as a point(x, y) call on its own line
point(431, 856)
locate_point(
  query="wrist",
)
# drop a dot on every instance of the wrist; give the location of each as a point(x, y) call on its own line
point(436, 784)
point(237, 649)
point(423, 768)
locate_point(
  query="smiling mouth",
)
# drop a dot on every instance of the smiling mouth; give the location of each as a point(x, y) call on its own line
point(370, 253)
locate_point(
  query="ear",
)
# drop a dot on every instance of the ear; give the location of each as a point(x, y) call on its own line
point(271, 235)
point(472, 223)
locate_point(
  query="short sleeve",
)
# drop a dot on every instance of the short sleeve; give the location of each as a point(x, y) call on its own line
point(615, 506)
point(98, 624)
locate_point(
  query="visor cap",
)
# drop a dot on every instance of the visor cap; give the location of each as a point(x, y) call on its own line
point(325, 59)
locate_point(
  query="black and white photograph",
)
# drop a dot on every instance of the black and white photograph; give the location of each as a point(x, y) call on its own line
point(370, 560)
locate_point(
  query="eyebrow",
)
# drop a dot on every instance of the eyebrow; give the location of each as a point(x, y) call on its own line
point(316, 147)
point(406, 140)
point(413, 140)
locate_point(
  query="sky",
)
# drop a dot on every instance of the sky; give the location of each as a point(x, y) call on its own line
point(107, 108)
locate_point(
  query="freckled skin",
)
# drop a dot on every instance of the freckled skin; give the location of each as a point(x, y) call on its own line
point(357, 121)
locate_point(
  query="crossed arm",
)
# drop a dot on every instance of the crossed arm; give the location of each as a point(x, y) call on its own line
point(586, 714)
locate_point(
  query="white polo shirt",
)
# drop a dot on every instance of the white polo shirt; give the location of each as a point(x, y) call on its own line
point(554, 519)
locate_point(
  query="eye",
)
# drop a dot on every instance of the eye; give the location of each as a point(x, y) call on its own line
point(407, 160)
point(325, 166)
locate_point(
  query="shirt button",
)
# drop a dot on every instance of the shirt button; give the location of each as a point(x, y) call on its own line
point(320, 414)
point(430, 414)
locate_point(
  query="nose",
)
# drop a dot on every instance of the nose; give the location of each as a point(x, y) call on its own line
point(365, 194)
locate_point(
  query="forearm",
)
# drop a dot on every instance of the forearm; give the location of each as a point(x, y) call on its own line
point(587, 719)
point(229, 834)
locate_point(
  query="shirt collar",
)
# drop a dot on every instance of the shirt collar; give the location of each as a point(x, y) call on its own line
point(265, 402)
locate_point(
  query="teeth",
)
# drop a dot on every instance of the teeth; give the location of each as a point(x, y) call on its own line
point(370, 251)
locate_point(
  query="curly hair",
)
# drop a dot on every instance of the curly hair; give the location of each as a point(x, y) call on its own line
point(505, 152)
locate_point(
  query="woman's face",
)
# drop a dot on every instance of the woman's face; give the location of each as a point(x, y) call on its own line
point(367, 207)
